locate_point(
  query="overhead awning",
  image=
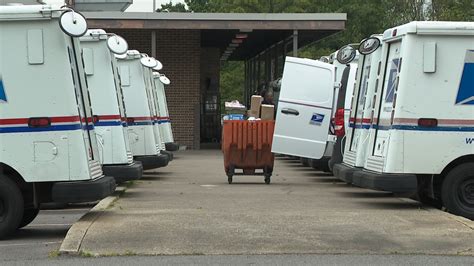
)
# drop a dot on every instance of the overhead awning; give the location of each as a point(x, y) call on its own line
point(240, 36)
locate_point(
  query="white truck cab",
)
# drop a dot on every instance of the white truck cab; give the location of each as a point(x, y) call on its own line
point(139, 113)
point(107, 102)
point(361, 115)
point(164, 120)
point(346, 61)
point(421, 138)
point(48, 148)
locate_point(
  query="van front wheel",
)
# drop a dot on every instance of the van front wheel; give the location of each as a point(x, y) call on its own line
point(11, 207)
point(458, 190)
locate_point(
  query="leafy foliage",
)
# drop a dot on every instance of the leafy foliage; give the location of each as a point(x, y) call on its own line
point(364, 17)
point(170, 7)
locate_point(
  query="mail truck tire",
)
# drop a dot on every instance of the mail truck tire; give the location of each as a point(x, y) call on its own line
point(11, 207)
point(28, 216)
point(458, 190)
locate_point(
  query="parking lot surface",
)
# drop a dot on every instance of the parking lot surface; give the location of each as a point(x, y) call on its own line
point(42, 238)
point(189, 209)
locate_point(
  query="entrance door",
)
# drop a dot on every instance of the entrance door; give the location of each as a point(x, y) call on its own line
point(304, 108)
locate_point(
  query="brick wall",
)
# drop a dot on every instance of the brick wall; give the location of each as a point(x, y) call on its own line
point(179, 51)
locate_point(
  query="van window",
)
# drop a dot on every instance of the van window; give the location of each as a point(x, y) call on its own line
point(392, 86)
point(35, 47)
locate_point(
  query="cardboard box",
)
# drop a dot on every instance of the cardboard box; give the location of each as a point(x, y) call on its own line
point(268, 112)
point(255, 104)
point(252, 113)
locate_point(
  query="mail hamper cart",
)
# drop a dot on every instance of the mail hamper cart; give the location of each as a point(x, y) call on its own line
point(247, 145)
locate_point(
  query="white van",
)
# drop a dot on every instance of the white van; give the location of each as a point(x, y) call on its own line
point(357, 135)
point(139, 114)
point(345, 68)
point(48, 147)
point(421, 138)
point(305, 108)
point(164, 120)
point(107, 103)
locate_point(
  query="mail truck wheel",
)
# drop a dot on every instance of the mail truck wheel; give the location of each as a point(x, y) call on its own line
point(28, 216)
point(458, 190)
point(11, 207)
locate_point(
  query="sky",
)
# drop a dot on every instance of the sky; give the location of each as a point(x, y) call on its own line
point(137, 6)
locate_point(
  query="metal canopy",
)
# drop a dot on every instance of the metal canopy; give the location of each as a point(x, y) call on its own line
point(260, 31)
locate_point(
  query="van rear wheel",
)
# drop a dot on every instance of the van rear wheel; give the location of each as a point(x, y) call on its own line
point(458, 190)
point(28, 216)
point(11, 207)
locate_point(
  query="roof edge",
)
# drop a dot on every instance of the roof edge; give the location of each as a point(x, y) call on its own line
point(216, 16)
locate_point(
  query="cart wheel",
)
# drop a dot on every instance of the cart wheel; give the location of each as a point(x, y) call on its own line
point(267, 180)
point(229, 179)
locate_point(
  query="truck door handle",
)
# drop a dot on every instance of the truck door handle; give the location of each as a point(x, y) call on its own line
point(289, 111)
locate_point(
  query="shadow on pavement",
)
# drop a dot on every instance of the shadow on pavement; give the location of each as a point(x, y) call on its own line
point(326, 180)
point(366, 194)
point(40, 233)
point(392, 205)
point(316, 173)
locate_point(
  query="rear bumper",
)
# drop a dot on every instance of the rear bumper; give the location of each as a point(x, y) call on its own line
point(172, 146)
point(169, 154)
point(397, 183)
point(153, 161)
point(83, 191)
point(345, 172)
point(124, 172)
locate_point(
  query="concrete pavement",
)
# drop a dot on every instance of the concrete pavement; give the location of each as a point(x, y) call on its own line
point(42, 237)
point(188, 208)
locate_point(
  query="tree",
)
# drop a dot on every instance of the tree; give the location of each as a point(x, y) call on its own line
point(170, 7)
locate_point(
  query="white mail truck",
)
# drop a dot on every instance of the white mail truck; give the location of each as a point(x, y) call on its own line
point(164, 120)
point(48, 148)
point(139, 113)
point(107, 102)
point(361, 115)
point(421, 136)
point(346, 61)
point(153, 101)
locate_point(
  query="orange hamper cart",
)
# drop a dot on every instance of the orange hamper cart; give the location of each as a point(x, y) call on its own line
point(247, 145)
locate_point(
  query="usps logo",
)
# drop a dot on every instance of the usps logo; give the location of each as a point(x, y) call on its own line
point(466, 87)
point(3, 96)
point(317, 119)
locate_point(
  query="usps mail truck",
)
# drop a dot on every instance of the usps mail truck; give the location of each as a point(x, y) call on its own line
point(164, 120)
point(347, 61)
point(153, 101)
point(48, 148)
point(139, 113)
point(361, 114)
point(421, 137)
point(107, 103)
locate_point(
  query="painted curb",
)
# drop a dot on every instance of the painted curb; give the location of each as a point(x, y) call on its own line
point(72, 242)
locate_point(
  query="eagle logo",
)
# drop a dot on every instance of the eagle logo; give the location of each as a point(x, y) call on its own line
point(466, 86)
